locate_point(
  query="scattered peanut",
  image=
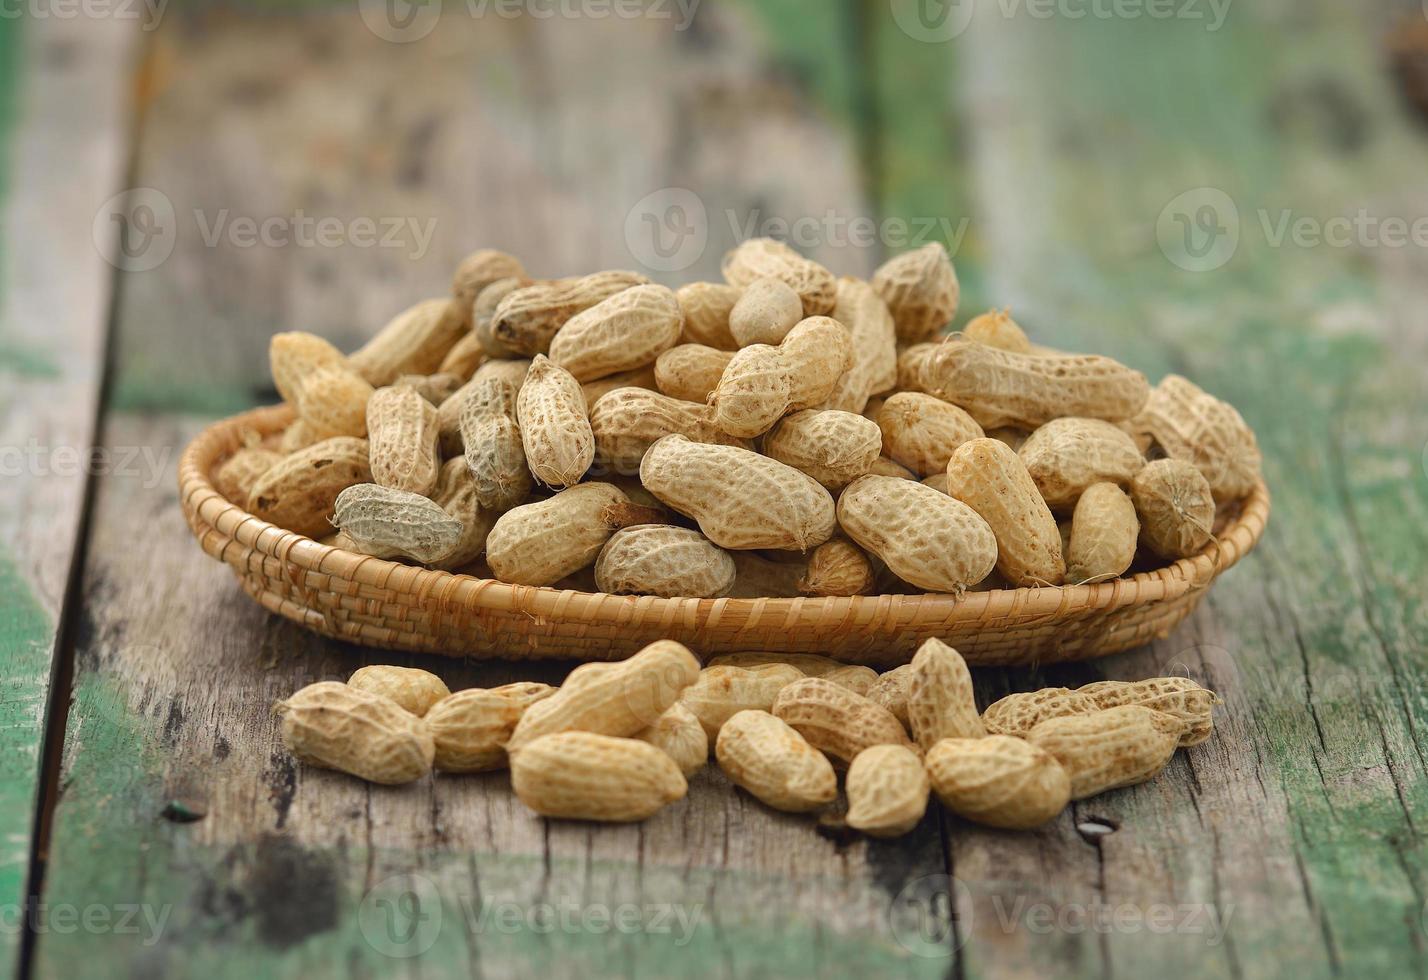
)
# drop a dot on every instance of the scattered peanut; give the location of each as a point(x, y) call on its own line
point(413, 689)
point(1065, 456)
point(1017, 714)
point(387, 523)
point(300, 492)
point(922, 432)
point(765, 313)
point(679, 735)
point(470, 728)
point(887, 791)
point(690, 372)
point(334, 726)
point(706, 307)
point(723, 690)
point(578, 775)
point(999, 781)
point(541, 543)
point(771, 760)
point(996, 328)
point(835, 448)
point(1197, 427)
point(626, 331)
point(528, 318)
point(626, 422)
point(403, 440)
point(835, 720)
point(939, 696)
point(1110, 748)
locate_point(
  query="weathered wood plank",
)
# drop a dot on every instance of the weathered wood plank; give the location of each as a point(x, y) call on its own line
point(1297, 830)
point(61, 155)
point(531, 135)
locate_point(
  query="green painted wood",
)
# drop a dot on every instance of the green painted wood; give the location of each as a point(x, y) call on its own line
point(58, 147)
point(1300, 824)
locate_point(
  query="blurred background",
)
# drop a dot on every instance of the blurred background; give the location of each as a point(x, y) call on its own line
point(1236, 190)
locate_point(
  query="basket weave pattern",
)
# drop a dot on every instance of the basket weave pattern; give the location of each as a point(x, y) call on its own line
point(381, 603)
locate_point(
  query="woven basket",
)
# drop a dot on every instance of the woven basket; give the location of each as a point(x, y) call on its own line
point(386, 604)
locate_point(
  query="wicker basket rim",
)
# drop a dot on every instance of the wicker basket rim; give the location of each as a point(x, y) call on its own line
point(207, 507)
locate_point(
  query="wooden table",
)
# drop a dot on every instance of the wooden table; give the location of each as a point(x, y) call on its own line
point(146, 800)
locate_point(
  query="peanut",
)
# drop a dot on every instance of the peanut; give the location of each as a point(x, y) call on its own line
point(470, 728)
point(237, 475)
point(921, 289)
point(1175, 506)
point(483, 315)
point(1017, 714)
point(653, 559)
point(455, 493)
point(626, 331)
point(922, 432)
point(835, 448)
point(415, 690)
point(299, 493)
point(527, 319)
point(366, 735)
point(333, 402)
point(1067, 455)
point(714, 485)
point(999, 781)
point(887, 791)
point(626, 422)
point(723, 690)
point(620, 698)
point(887, 467)
point(448, 415)
point(836, 721)
point(414, 342)
point(1110, 748)
point(937, 481)
point(940, 703)
point(543, 542)
point(874, 340)
point(495, 454)
point(435, 388)
point(854, 677)
point(996, 328)
point(1197, 427)
point(765, 313)
point(924, 537)
point(297, 436)
point(763, 258)
point(404, 440)
point(465, 356)
point(706, 307)
point(771, 760)
point(555, 426)
point(679, 735)
point(577, 775)
point(763, 383)
point(1179, 697)
point(479, 270)
point(837, 568)
point(1104, 530)
point(294, 356)
point(643, 377)
point(891, 691)
point(991, 479)
point(998, 387)
point(387, 523)
point(809, 664)
point(690, 372)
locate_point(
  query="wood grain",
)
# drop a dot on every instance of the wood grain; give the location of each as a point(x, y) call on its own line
point(63, 150)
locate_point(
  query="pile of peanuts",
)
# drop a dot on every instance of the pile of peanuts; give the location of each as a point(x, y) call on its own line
point(784, 432)
point(618, 741)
